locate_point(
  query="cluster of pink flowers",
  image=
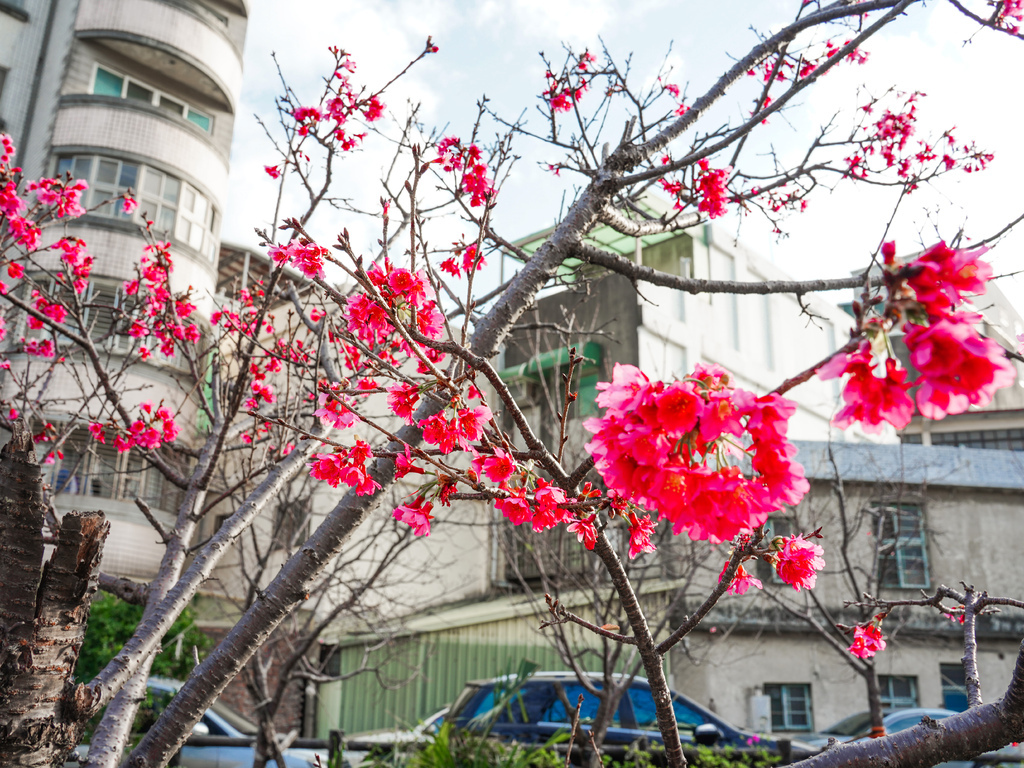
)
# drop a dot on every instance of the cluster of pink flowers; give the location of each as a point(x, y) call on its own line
point(471, 260)
point(664, 447)
point(868, 640)
point(344, 101)
point(20, 230)
point(10, 203)
point(161, 314)
point(809, 61)
point(39, 347)
point(334, 409)
point(454, 156)
point(155, 427)
point(889, 137)
point(795, 559)
point(417, 514)
point(244, 320)
point(956, 366)
point(61, 195)
point(347, 466)
point(568, 88)
point(462, 429)
point(710, 188)
point(79, 262)
point(406, 294)
point(1011, 14)
point(673, 90)
point(306, 256)
point(53, 310)
point(262, 390)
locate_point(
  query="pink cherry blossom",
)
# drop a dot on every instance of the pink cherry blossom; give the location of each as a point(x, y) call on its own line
point(867, 641)
point(958, 367)
point(640, 530)
point(798, 562)
point(871, 399)
point(585, 531)
point(741, 580)
point(417, 514)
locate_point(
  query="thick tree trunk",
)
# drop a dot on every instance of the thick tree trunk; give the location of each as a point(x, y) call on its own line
point(44, 608)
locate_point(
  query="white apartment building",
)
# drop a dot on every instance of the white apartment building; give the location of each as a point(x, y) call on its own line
point(140, 95)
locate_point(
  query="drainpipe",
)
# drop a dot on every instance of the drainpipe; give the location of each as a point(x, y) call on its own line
point(36, 83)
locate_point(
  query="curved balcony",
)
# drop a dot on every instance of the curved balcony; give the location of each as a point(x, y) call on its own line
point(141, 133)
point(182, 42)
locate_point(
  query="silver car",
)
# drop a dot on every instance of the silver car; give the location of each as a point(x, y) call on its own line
point(219, 720)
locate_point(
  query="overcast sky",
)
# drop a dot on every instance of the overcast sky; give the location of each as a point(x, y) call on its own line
point(491, 47)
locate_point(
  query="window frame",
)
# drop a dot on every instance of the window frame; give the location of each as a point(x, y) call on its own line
point(893, 701)
point(207, 224)
point(893, 550)
point(951, 687)
point(186, 107)
point(785, 697)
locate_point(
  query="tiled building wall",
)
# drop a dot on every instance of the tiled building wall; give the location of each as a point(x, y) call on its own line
point(147, 135)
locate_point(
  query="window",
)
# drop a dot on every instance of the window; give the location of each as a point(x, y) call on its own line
point(791, 706)
point(675, 257)
point(954, 687)
point(176, 208)
point(898, 691)
point(769, 347)
point(647, 717)
point(1005, 439)
point(109, 83)
point(724, 305)
point(96, 469)
point(902, 554)
point(776, 526)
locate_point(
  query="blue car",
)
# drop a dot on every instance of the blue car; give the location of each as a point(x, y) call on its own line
point(546, 704)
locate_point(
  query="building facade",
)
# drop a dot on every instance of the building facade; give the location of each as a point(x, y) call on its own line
point(139, 95)
point(939, 510)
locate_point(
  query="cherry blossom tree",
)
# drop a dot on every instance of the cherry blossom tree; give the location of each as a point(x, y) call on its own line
point(405, 330)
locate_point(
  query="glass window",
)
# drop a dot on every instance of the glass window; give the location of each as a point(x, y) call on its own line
point(954, 687)
point(902, 556)
point(82, 168)
point(137, 92)
point(588, 710)
point(776, 526)
point(106, 183)
point(646, 716)
point(898, 691)
point(203, 121)
point(791, 706)
point(170, 106)
point(192, 222)
point(107, 173)
point(107, 83)
point(726, 309)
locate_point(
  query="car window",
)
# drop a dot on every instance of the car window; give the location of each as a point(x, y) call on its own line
point(588, 710)
point(235, 720)
point(647, 717)
point(902, 722)
point(853, 725)
point(534, 703)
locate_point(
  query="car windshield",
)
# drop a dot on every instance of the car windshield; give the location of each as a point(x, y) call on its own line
point(852, 725)
point(234, 719)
